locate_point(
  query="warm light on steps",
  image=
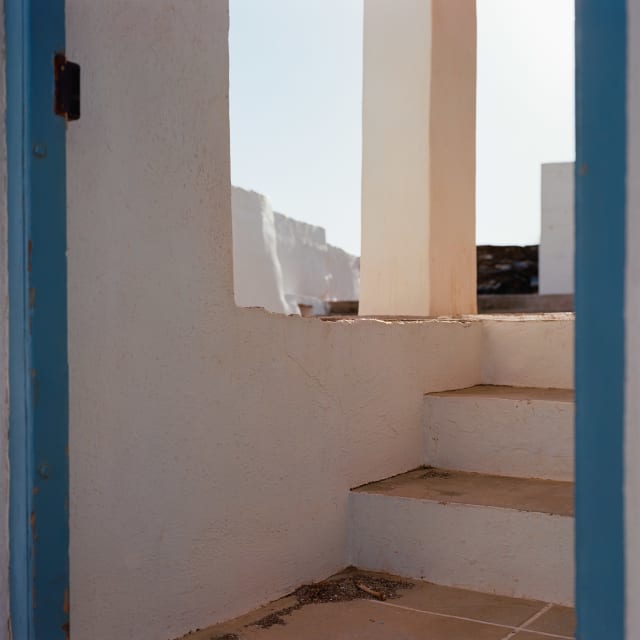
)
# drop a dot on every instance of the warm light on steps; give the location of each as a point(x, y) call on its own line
point(511, 536)
point(492, 509)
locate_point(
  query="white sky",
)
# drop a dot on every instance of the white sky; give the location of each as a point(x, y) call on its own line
point(296, 96)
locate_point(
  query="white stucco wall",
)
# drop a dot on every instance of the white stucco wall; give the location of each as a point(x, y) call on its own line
point(212, 447)
point(302, 251)
point(344, 274)
point(557, 245)
point(632, 436)
point(311, 267)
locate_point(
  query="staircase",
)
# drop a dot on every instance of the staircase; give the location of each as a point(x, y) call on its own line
point(492, 509)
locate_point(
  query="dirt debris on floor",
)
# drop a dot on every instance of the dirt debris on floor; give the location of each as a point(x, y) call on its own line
point(432, 472)
point(345, 588)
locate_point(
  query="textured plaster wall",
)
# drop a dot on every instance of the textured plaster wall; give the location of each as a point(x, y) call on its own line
point(557, 245)
point(4, 362)
point(212, 448)
point(632, 440)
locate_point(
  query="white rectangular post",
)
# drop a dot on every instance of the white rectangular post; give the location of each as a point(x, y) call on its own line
point(418, 186)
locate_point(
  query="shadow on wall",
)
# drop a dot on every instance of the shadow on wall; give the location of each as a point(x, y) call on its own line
point(284, 265)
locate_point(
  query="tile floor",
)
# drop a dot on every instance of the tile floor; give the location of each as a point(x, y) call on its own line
point(424, 612)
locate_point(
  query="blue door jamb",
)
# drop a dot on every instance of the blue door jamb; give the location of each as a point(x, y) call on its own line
point(601, 169)
point(38, 429)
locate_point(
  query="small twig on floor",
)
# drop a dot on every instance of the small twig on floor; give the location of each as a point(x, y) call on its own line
point(371, 592)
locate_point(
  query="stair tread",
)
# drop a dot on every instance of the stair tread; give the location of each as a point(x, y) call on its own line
point(459, 487)
point(509, 393)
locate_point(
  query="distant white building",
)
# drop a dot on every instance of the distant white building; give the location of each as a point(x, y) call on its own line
point(281, 263)
point(557, 246)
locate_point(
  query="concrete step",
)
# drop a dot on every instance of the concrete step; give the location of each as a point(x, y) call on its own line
point(511, 431)
point(528, 350)
point(509, 536)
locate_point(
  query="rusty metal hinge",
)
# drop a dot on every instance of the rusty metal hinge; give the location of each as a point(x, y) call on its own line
point(67, 80)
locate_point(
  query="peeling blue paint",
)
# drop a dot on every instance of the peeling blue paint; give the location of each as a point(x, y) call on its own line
point(39, 536)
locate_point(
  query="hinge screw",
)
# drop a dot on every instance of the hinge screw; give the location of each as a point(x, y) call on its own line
point(39, 151)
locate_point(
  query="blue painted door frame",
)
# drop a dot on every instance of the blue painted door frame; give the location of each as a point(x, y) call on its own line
point(38, 430)
point(601, 200)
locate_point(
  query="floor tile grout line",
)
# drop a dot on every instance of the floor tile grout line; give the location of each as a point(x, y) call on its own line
point(444, 615)
point(533, 618)
point(512, 630)
point(527, 632)
point(536, 616)
point(524, 627)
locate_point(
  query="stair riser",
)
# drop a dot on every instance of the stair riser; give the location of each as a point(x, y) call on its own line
point(523, 438)
point(529, 353)
point(501, 551)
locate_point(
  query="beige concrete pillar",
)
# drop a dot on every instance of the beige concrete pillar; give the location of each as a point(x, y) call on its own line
point(419, 155)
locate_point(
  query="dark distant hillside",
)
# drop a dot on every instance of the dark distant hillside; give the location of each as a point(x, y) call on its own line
point(507, 270)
